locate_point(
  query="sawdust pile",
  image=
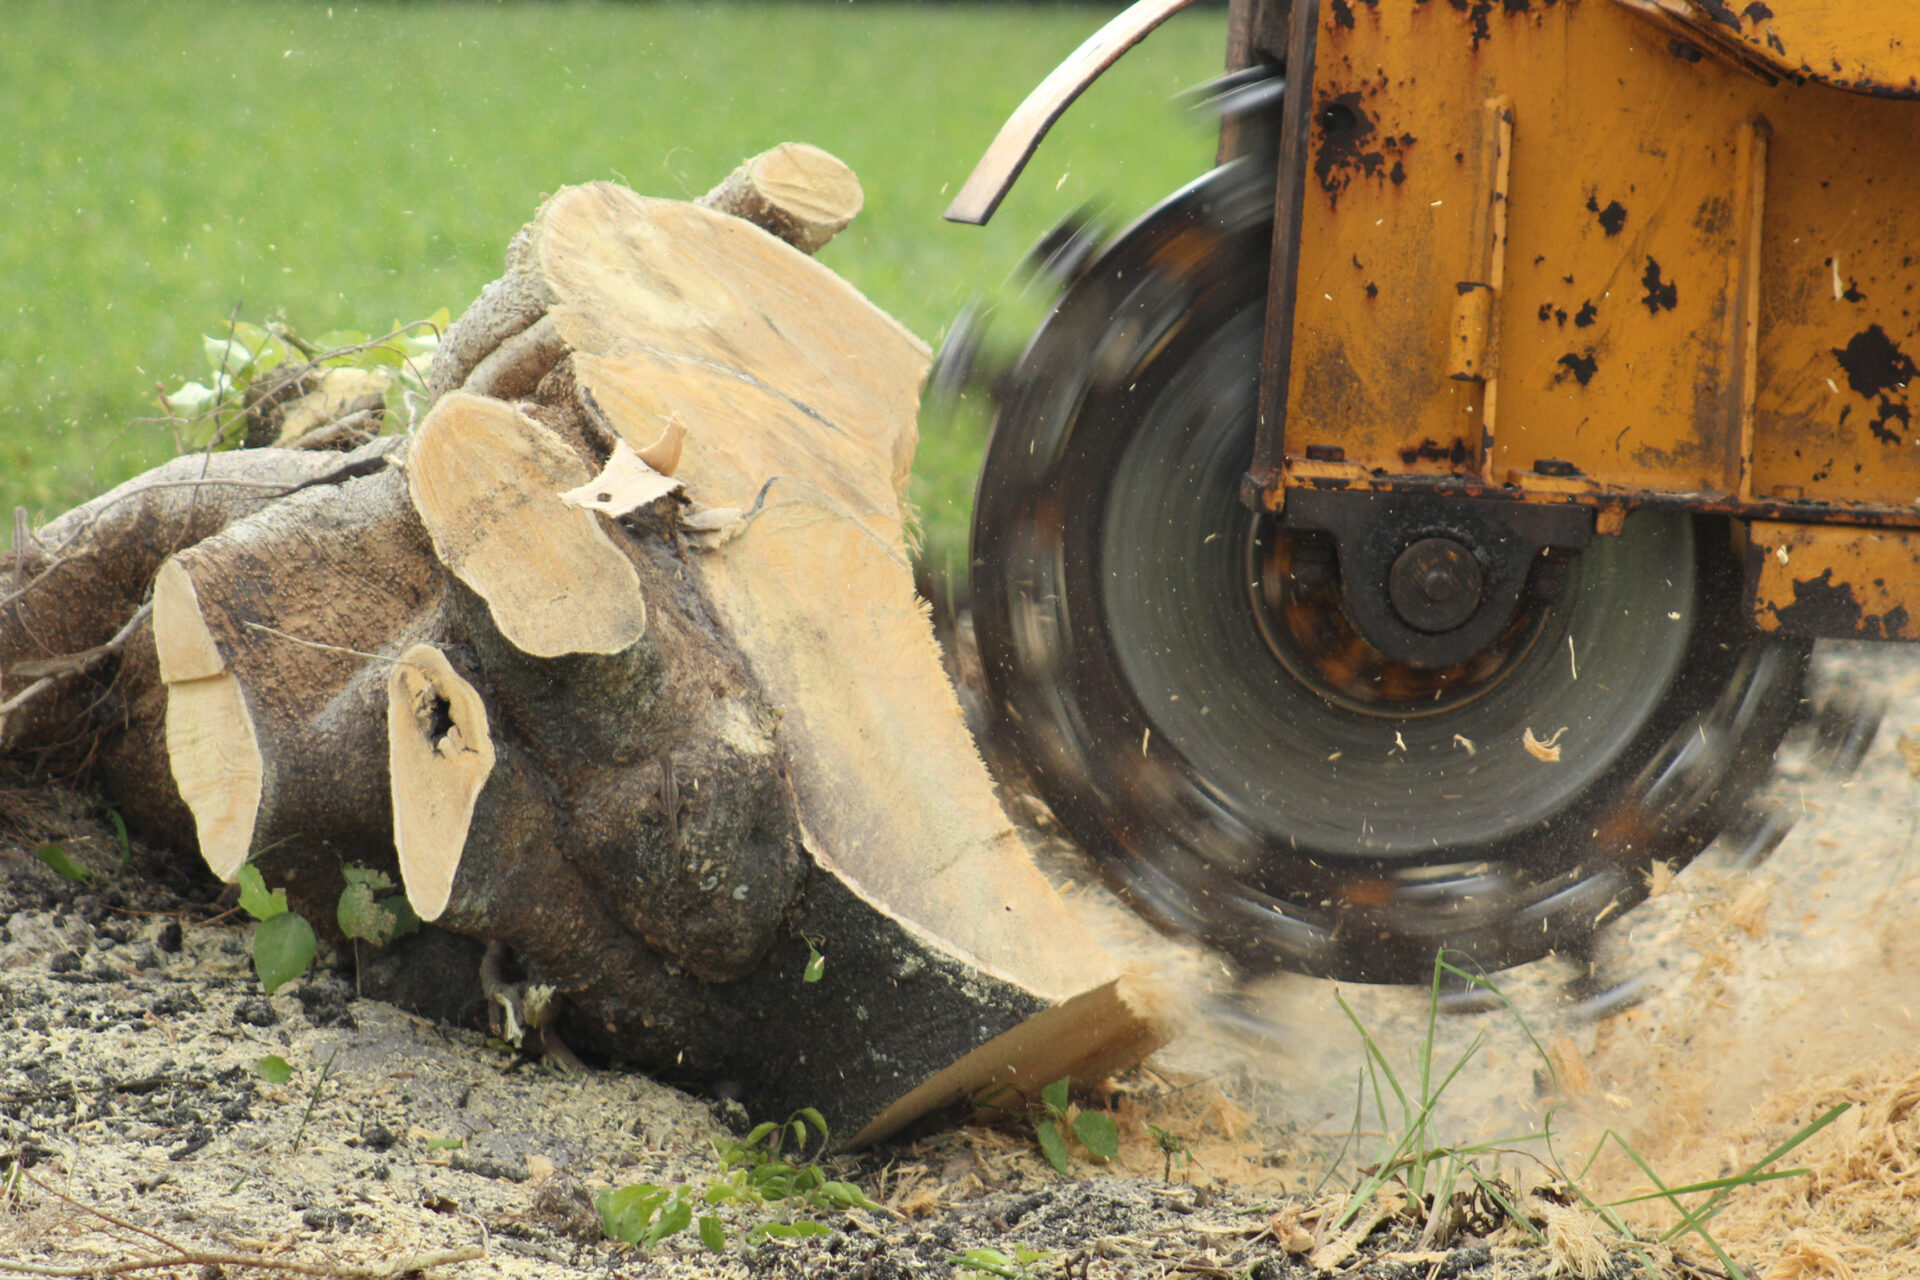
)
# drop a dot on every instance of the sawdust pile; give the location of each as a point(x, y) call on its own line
point(1857, 1216)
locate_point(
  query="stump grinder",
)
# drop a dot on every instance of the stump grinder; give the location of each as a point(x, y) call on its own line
point(1410, 532)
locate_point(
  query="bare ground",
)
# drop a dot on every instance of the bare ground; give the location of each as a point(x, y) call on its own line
point(135, 1125)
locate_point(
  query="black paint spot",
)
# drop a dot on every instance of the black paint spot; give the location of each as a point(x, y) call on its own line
point(1476, 12)
point(1820, 607)
point(1881, 425)
point(1612, 218)
point(1560, 317)
point(1757, 12)
point(1662, 295)
point(1430, 450)
point(1518, 6)
point(1721, 12)
point(1852, 293)
point(1585, 317)
point(1874, 364)
point(1877, 369)
point(1343, 14)
point(1345, 130)
point(1546, 312)
point(1373, 290)
point(1583, 367)
point(1823, 607)
point(1398, 174)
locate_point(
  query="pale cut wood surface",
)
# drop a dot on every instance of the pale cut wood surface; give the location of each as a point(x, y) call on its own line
point(799, 399)
point(487, 483)
point(439, 755)
point(796, 191)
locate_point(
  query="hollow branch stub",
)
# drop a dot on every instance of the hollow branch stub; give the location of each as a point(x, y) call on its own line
point(440, 753)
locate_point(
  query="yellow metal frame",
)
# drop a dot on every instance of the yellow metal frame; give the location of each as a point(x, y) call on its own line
point(1617, 253)
point(1556, 252)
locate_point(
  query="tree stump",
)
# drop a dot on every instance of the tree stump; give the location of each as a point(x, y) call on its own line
point(615, 662)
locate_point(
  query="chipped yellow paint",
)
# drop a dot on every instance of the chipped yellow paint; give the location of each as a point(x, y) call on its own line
point(1869, 46)
point(1833, 580)
point(1708, 288)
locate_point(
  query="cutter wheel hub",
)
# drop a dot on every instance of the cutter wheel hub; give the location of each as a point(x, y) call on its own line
point(1435, 585)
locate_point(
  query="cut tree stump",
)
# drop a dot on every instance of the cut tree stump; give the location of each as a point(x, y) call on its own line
point(615, 662)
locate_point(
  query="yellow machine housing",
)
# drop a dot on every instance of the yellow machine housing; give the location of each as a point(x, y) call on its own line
point(1613, 253)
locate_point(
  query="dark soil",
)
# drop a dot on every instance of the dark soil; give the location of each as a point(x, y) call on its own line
point(132, 1037)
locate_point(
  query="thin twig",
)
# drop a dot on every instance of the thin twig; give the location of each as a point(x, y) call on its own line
point(72, 664)
point(53, 670)
point(200, 1258)
point(103, 1214)
point(145, 1084)
point(329, 648)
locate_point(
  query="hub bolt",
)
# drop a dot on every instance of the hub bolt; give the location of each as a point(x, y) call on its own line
point(1435, 585)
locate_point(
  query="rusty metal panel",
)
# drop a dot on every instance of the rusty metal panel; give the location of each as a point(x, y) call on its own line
point(1668, 322)
point(1840, 315)
point(1866, 46)
point(1833, 581)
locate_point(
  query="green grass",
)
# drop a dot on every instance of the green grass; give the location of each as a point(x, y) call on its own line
point(168, 165)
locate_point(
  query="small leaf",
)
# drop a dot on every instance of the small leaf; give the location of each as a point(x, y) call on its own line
point(677, 1217)
point(283, 947)
point(254, 898)
point(796, 1230)
point(712, 1233)
point(192, 398)
point(372, 877)
point(816, 964)
point(1098, 1133)
point(57, 858)
point(120, 831)
point(445, 1144)
point(273, 1069)
point(360, 916)
point(989, 1261)
point(1054, 1097)
point(819, 1122)
point(625, 1213)
point(844, 1195)
point(1052, 1145)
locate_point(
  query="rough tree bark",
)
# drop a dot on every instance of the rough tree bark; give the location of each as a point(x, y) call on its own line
point(615, 661)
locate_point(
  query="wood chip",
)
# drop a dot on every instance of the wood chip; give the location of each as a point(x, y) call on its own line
point(1547, 752)
point(1910, 752)
point(625, 484)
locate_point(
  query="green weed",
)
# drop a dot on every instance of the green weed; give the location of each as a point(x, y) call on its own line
point(283, 940)
point(1435, 1174)
point(1095, 1130)
point(1017, 1265)
point(764, 1175)
point(63, 862)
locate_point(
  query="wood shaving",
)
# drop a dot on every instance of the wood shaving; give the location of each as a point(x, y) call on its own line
point(1748, 910)
point(1547, 752)
point(1574, 1240)
point(624, 485)
point(1659, 877)
point(1910, 752)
